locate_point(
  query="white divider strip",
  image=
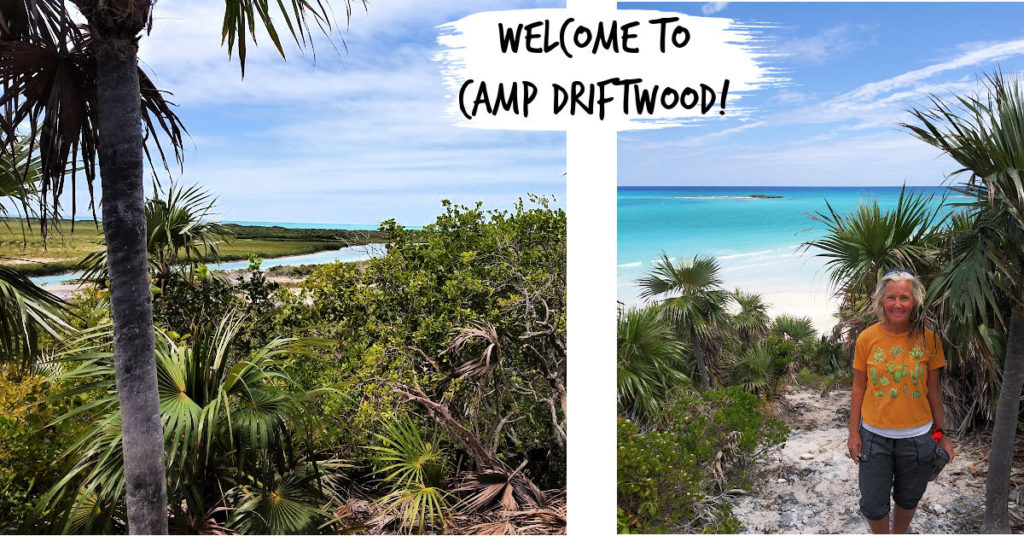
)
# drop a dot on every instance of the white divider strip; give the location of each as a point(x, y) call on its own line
point(591, 212)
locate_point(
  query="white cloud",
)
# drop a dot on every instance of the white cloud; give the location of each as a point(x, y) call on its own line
point(886, 158)
point(987, 54)
point(850, 139)
point(711, 8)
point(825, 45)
point(348, 135)
point(880, 104)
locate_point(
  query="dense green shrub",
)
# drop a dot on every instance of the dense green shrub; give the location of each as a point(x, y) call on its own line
point(189, 301)
point(30, 451)
point(728, 420)
point(666, 475)
point(467, 314)
point(659, 481)
point(471, 310)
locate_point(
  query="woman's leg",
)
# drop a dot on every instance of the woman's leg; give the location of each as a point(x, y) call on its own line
point(901, 519)
point(912, 461)
point(879, 526)
point(875, 479)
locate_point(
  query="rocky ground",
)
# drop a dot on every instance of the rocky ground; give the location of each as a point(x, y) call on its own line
point(811, 484)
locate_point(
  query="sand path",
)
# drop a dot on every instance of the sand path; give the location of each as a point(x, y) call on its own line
point(810, 485)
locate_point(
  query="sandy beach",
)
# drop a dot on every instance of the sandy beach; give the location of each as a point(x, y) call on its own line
point(819, 306)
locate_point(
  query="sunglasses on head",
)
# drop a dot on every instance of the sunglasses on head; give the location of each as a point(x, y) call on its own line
point(898, 271)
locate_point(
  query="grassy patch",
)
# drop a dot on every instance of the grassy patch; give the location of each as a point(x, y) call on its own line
point(64, 249)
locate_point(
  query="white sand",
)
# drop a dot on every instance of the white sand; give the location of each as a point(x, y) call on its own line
point(63, 291)
point(820, 306)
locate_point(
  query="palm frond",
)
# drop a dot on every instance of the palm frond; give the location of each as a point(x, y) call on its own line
point(26, 311)
point(227, 425)
point(499, 488)
point(862, 244)
point(48, 64)
point(243, 18)
point(651, 360)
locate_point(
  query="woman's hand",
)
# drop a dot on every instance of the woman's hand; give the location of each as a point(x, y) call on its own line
point(854, 444)
point(948, 445)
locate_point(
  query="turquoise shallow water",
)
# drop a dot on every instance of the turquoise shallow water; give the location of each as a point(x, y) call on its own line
point(757, 241)
point(346, 254)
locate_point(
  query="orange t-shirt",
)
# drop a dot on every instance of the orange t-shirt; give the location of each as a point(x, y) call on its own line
point(897, 369)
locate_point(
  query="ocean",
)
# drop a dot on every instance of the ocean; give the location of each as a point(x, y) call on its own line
point(756, 240)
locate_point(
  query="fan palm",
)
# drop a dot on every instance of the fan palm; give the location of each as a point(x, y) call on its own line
point(415, 467)
point(751, 320)
point(828, 355)
point(975, 344)
point(984, 281)
point(228, 423)
point(20, 172)
point(650, 362)
point(861, 245)
point(756, 371)
point(692, 297)
point(796, 329)
point(80, 87)
point(25, 312)
point(177, 231)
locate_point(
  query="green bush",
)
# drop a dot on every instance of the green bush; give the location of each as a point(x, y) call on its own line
point(666, 475)
point(395, 319)
point(30, 450)
point(188, 302)
point(824, 382)
point(808, 378)
point(658, 479)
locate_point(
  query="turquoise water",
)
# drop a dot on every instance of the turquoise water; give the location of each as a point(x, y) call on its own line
point(347, 254)
point(300, 225)
point(757, 241)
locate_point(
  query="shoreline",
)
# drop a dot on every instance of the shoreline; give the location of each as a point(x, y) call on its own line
point(820, 307)
point(66, 282)
point(788, 282)
point(54, 258)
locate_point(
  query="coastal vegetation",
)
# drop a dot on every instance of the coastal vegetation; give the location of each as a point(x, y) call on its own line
point(422, 391)
point(696, 366)
point(965, 249)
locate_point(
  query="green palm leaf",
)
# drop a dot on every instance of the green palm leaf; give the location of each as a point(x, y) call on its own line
point(26, 311)
point(691, 297)
point(415, 468)
point(651, 360)
point(227, 419)
point(861, 245)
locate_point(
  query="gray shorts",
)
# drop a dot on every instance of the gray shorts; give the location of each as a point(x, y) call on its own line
point(900, 466)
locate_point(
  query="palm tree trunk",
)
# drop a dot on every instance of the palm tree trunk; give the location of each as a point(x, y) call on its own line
point(702, 365)
point(997, 482)
point(124, 226)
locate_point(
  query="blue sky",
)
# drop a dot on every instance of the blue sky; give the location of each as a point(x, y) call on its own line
point(356, 135)
point(853, 70)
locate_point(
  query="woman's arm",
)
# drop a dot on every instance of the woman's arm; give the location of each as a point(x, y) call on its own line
point(860, 384)
point(935, 403)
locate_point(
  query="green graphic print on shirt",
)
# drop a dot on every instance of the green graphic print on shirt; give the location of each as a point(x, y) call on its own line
point(895, 371)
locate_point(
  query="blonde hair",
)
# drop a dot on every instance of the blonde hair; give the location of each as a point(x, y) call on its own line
point(916, 289)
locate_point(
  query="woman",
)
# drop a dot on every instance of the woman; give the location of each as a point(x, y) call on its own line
point(897, 404)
